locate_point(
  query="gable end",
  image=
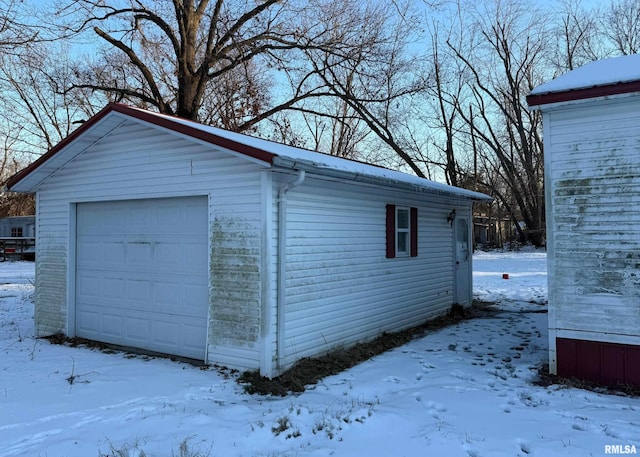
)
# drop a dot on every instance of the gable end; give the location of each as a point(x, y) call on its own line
point(164, 121)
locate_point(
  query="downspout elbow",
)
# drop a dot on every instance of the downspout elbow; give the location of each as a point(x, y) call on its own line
point(290, 185)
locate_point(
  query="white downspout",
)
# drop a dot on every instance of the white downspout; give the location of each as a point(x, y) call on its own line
point(282, 248)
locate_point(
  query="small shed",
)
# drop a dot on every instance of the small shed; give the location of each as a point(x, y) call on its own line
point(167, 235)
point(591, 119)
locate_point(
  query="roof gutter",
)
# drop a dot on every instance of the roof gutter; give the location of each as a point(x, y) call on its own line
point(291, 164)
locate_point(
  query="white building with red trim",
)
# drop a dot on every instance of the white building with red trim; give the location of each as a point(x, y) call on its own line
point(170, 236)
point(591, 122)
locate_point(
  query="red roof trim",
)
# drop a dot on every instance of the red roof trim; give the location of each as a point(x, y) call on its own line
point(194, 132)
point(582, 94)
point(152, 118)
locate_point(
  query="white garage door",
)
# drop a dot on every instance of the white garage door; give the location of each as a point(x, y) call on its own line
point(141, 274)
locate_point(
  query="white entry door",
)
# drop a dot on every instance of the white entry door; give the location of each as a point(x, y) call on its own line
point(141, 274)
point(462, 261)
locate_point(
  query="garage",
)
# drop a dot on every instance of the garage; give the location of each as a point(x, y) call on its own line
point(176, 237)
point(141, 274)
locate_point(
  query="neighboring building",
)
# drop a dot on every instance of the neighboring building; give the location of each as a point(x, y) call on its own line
point(17, 238)
point(493, 232)
point(18, 226)
point(167, 235)
point(592, 179)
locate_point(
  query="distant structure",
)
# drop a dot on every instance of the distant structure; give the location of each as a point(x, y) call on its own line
point(17, 238)
point(18, 226)
point(592, 184)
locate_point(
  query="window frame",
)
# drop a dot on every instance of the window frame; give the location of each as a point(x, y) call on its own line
point(17, 232)
point(400, 231)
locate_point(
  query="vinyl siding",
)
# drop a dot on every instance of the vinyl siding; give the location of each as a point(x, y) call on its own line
point(340, 287)
point(137, 162)
point(594, 192)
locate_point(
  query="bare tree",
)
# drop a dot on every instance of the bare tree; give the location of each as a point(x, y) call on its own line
point(242, 95)
point(182, 56)
point(508, 40)
point(12, 203)
point(14, 32)
point(378, 81)
point(33, 100)
point(621, 24)
point(448, 93)
point(16, 142)
point(165, 55)
point(336, 129)
point(339, 65)
point(576, 36)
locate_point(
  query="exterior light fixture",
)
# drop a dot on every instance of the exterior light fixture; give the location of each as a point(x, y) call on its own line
point(451, 217)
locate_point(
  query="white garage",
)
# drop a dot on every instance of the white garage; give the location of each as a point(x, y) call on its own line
point(170, 236)
point(141, 274)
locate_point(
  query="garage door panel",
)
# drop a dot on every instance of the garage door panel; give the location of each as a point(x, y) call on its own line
point(112, 252)
point(113, 288)
point(88, 287)
point(194, 294)
point(169, 296)
point(87, 321)
point(140, 280)
point(194, 254)
point(139, 294)
point(140, 254)
point(88, 252)
point(112, 324)
point(164, 334)
point(192, 336)
point(137, 328)
point(166, 252)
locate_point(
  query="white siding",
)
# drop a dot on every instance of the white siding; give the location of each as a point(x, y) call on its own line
point(594, 193)
point(340, 288)
point(136, 161)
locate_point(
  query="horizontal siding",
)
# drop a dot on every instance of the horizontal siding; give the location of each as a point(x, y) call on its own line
point(594, 191)
point(340, 288)
point(138, 162)
point(51, 270)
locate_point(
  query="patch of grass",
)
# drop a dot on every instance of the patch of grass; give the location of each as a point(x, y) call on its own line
point(124, 450)
point(310, 370)
point(135, 450)
point(282, 425)
point(64, 340)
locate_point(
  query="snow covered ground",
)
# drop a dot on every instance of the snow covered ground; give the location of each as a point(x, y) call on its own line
point(461, 391)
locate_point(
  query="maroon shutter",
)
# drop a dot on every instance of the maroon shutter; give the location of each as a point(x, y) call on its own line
point(414, 232)
point(391, 231)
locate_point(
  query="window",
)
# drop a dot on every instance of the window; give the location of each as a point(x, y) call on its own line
point(402, 231)
point(16, 231)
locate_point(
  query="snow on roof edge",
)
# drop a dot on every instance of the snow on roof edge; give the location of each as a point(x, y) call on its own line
point(604, 72)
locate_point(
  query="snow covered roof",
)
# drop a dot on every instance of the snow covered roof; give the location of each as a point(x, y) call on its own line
point(271, 153)
point(617, 75)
